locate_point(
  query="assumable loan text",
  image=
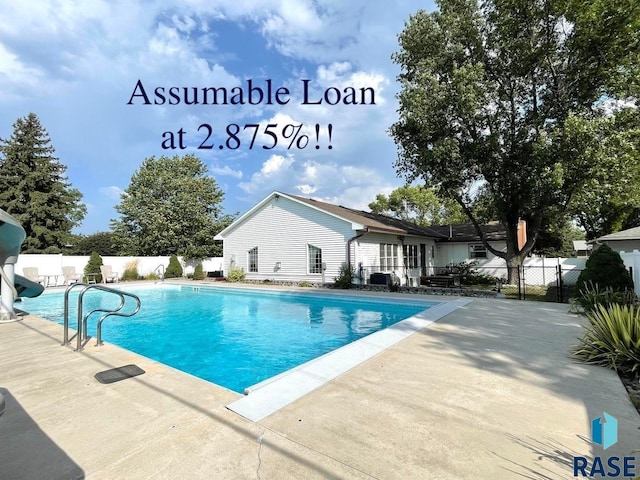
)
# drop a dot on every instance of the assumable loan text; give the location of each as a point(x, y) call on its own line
point(250, 94)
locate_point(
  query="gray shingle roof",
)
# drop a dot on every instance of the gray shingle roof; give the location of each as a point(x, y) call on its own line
point(629, 234)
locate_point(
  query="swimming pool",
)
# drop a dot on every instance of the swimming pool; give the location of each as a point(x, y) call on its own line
point(232, 337)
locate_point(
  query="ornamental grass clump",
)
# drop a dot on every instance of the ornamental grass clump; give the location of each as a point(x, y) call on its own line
point(612, 339)
point(131, 270)
point(591, 295)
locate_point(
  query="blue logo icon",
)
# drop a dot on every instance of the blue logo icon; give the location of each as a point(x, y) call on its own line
point(604, 430)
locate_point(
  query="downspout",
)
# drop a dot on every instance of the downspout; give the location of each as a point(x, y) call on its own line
point(401, 255)
point(361, 234)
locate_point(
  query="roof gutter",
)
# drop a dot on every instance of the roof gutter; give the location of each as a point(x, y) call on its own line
point(361, 234)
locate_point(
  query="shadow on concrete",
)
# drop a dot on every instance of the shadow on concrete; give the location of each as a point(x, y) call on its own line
point(263, 443)
point(20, 434)
point(547, 452)
point(518, 339)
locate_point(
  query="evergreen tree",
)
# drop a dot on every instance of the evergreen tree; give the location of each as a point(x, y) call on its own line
point(93, 267)
point(174, 269)
point(198, 273)
point(606, 269)
point(34, 189)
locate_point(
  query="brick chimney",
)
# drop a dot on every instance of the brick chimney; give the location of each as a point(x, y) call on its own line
point(522, 234)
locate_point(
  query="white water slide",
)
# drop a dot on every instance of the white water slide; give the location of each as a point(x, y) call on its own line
point(12, 286)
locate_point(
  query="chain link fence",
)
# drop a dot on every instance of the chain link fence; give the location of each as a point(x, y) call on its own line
point(551, 283)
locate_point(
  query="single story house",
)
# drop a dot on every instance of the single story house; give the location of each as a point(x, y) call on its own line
point(462, 243)
point(286, 237)
point(581, 249)
point(622, 241)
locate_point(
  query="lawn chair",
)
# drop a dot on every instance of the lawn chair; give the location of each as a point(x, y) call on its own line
point(108, 275)
point(31, 273)
point(70, 275)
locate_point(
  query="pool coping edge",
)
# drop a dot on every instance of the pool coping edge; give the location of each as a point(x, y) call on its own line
point(269, 396)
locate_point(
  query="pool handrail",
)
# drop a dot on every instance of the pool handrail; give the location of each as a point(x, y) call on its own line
point(161, 266)
point(116, 314)
point(82, 320)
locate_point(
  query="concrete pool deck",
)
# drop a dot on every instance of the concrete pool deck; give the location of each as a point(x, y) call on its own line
point(487, 392)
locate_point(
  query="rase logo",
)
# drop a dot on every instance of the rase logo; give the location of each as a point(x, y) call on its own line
point(604, 432)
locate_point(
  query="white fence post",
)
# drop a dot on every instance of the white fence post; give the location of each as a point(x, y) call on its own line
point(632, 259)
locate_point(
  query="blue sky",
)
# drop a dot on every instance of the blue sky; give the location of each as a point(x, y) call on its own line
point(75, 64)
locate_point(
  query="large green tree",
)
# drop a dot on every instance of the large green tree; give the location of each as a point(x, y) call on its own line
point(35, 190)
point(418, 204)
point(101, 242)
point(171, 206)
point(533, 99)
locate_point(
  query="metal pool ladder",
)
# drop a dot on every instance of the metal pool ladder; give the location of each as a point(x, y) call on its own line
point(81, 334)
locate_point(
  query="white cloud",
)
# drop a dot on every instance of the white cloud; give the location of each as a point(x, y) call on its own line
point(75, 64)
point(347, 185)
point(15, 71)
point(113, 192)
point(306, 189)
point(274, 172)
point(226, 170)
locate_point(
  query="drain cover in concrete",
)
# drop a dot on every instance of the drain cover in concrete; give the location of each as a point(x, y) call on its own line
point(117, 374)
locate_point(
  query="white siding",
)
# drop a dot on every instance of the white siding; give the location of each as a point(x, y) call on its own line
point(623, 245)
point(368, 253)
point(451, 253)
point(282, 229)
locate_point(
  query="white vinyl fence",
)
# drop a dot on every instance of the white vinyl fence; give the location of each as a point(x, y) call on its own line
point(50, 265)
point(632, 260)
point(537, 270)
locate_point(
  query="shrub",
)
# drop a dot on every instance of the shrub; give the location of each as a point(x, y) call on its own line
point(587, 300)
point(174, 269)
point(152, 276)
point(469, 274)
point(235, 275)
point(198, 272)
point(93, 267)
point(345, 277)
point(131, 270)
point(304, 283)
point(605, 269)
point(612, 339)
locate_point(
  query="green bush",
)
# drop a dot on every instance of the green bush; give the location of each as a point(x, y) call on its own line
point(198, 272)
point(345, 277)
point(605, 269)
point(235, 275)
point(587, 300)
point(612, 339)
point(152, 276)
point(304, 283)
point(93, 267)
point(174, 270)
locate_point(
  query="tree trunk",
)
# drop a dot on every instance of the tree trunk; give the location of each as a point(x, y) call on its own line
point(513, 270)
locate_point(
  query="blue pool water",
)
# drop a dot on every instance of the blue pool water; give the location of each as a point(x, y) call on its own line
point(234, 338)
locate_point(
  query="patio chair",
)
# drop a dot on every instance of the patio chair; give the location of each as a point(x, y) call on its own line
point(108, 275)
point(70, 275)
point(31, 273)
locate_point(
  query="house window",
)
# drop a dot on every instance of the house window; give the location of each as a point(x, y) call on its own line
point(253, 259)
point(315, 259)
point(410, 253)
point(388, 256)
point(477, 251)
